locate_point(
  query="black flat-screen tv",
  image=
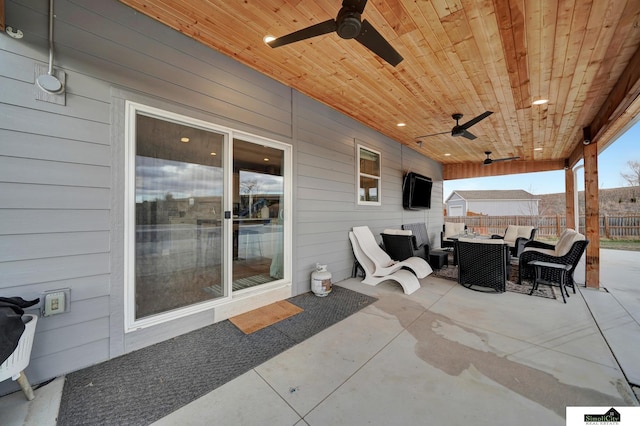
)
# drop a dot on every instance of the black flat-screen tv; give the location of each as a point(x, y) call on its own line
point(416, 191)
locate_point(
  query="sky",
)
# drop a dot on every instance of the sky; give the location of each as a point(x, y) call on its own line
point(156, 177)
point(611, 162)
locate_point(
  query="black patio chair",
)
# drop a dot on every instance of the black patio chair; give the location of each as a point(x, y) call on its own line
point(401, 247)
point(419, 231)
point(516, 236)
point(483, 265)
point(446, 243)
point(436, 258)
point(572, 257)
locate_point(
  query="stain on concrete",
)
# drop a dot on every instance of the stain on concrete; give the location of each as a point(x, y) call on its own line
point(454, 358)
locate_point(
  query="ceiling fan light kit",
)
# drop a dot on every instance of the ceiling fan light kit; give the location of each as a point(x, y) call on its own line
point(348, 25)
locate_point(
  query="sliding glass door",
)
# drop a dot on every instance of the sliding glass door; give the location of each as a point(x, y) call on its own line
point(179, 181)
point(258, 202)
point(205, 217)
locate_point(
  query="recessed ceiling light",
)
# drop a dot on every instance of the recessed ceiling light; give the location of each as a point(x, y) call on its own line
point(266, 159)
point(446, 154)
point(401, 124)
point(213, 154)
point(537, 149)
point(540, 101)
point(268, 38)
point(184, 140)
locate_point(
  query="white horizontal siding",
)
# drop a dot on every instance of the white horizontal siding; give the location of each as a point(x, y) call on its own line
point(326, 207)
point(41, 246)
point(27, 221)
point(29, 196)
point(61, 167)
point(86, 287)
point(47, 172)
point(93, 327)
point(22, 94)
point(55, 364)
point(44, 147)
point(29, 120)
point(27, 272)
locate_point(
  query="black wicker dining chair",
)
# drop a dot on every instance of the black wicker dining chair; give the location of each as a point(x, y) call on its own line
point(483, 265)
point(516, 236)
point(571, 257)
point(454, 229)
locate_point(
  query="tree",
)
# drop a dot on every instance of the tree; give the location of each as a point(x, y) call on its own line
point(633, 177)
point(250, 187)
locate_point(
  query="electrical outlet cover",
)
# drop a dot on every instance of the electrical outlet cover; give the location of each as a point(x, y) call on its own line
point(56, 302)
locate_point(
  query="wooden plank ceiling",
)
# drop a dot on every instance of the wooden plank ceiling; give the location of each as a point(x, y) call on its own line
point(460, 56)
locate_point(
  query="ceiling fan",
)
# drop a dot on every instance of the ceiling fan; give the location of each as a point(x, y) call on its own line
point(489, 161)
point(461, 129)
point(348, 25)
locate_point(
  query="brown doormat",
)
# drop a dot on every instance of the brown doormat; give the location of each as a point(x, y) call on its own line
point(263, 317)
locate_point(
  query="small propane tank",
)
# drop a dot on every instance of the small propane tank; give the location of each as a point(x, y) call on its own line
point(321, 281)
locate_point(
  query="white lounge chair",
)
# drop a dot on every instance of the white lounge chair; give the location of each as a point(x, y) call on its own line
point(406, 279)
point(379, 267)
point(383, 264)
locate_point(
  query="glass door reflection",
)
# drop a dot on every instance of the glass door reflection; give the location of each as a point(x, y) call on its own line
point(178, 210)
point(258, 196)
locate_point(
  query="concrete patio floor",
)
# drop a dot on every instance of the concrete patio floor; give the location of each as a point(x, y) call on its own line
point(444, 355)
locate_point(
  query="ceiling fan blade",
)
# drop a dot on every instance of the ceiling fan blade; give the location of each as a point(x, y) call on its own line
point(370, 38)
point(476, 119)
point(305, 33)
point(467, 134)
point(432, 134)
point(357, 5)
point(505, 159)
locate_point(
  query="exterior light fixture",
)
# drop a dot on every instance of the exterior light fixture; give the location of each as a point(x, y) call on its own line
point(184, 139)
point(586, 133)
point(401, 124)
point(540, 101)
point(268, 38)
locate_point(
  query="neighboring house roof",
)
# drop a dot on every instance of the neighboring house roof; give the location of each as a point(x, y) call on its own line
point(508, 194)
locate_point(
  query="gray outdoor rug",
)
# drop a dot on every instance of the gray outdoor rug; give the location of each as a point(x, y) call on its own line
point(451, 273)
point(143, 386)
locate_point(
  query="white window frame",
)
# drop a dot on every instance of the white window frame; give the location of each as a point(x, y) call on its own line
point(359, 148)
